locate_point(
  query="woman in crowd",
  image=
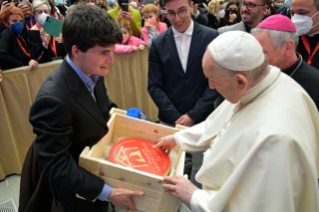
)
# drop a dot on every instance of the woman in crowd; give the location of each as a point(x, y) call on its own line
point(42, 45)
point(152, 27)
point(129, 43)
point(232, 15)
point(61, 8)
point(14, 49)
point(215, 9)
point(104, 2)
point(112, 4)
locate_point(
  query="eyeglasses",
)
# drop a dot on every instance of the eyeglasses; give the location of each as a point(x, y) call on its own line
point(38, 12)
point(250, 6)
point(181, 14)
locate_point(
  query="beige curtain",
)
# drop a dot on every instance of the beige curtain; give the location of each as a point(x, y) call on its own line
point(126, 85)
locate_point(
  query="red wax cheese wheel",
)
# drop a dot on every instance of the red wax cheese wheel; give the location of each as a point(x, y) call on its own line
point(139, 154)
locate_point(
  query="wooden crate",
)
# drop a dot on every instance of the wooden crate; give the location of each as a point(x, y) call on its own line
point(155, 198)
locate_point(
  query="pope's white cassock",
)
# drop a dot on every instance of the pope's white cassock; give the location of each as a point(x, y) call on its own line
point(265, 158)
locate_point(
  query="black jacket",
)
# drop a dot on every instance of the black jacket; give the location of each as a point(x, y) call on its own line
point(174, 92)
point(313, 41)
point(66, 119)
point(11, 54)
point(306, 76)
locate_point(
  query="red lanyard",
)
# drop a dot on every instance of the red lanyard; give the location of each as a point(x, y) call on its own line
point(53, 47)
point(307, 45)
point(23, 49)
point(30, 24)
point(163, 17)
point(124, 20)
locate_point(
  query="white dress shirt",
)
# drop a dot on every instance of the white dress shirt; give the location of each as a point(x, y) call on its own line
point(183, 42)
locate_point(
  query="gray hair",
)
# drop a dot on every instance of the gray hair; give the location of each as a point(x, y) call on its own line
point(253, 74)
point(38, 3)
point(278, 38)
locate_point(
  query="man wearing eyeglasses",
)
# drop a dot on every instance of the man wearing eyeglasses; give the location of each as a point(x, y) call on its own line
point(251, 12)
point(176, 81)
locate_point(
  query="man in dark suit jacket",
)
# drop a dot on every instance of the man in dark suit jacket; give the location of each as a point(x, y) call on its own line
point(176, 81)
point(71, 110)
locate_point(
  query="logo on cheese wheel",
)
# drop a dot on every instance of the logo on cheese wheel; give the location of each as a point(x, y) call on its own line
point(140, 154)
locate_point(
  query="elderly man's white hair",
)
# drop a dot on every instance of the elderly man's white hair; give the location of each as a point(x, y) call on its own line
point(278, 38)
point(38, 3)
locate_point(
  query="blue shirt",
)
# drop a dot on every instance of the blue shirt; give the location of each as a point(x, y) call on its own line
point(90, 82)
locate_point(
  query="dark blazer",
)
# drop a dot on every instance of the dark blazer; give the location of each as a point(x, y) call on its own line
point(174, 92)
point(66, 119)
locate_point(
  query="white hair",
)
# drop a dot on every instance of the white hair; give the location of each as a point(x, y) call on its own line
point(278, 38)
point(38, 3)
point(253, 74)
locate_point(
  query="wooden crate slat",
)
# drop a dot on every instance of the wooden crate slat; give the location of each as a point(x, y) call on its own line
point(168, 202)
point(145, 204)
point(130, 127)
point(131, 176)
point(152, 194)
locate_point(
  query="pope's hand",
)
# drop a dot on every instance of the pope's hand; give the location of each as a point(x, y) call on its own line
point(167, 143)
point(180, 187)
point(122, 198)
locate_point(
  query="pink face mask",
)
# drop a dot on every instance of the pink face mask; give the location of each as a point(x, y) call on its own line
point(125, 38)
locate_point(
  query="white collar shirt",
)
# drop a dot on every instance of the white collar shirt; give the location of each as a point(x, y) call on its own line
point(183, 42)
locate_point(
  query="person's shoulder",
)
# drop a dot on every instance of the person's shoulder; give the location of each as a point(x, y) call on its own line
point(162, 24)
point(239, 26)
point(162, 36)
point(113, 11)
point(206, 30)
point(135, 12)
point(7, 33)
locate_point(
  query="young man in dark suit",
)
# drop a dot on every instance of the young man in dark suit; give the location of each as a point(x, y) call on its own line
point(176, 80)
point(71, 110)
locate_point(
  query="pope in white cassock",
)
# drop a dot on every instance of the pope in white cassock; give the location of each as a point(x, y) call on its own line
point(261, 143)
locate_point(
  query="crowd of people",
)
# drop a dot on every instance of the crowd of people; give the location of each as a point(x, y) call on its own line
point(242, 75)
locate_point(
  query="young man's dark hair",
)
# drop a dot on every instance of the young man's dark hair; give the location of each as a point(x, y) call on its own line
point(78, 28)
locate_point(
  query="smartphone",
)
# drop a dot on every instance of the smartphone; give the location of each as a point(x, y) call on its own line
point(124, 7)
point(52, 26)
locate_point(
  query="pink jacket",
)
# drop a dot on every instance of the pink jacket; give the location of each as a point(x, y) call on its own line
point(144, 31)
point(123, 48)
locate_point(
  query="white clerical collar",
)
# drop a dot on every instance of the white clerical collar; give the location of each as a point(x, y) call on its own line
point(189, 30)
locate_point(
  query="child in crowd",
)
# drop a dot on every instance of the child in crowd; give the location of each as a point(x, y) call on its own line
point(152, 27)
point(129, 43)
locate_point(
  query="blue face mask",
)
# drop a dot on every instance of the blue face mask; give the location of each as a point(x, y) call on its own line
point(287, 4)
point(17, 27)
point(110, 2)
point(58, 2)
point(225, 4)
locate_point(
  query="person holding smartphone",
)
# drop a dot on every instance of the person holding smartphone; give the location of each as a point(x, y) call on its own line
point(42, 45)
point(152, 27)
point(124, 14)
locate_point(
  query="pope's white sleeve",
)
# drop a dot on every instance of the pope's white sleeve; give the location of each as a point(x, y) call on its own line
point(187, 139)
point(200, 200)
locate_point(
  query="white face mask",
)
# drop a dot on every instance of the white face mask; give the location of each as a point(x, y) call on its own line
point(91, 3)
point(303, 23)
point(279, 5)
point(42, 17)
point(221, 13)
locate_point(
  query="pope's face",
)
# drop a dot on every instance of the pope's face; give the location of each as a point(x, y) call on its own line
point(308, 8)
point(274, 56)
point(96, 60)
point(217, 80)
